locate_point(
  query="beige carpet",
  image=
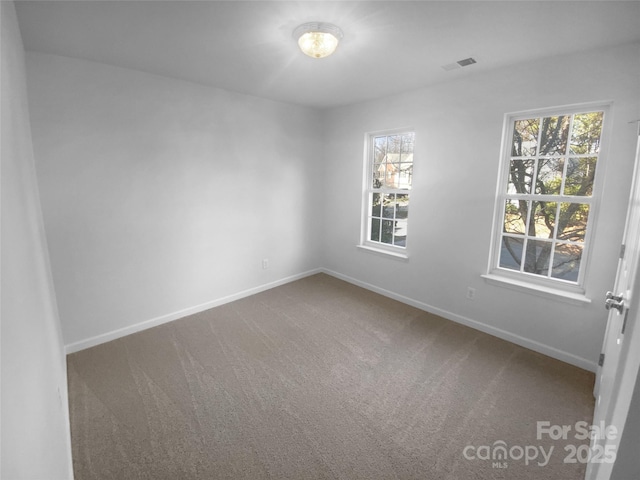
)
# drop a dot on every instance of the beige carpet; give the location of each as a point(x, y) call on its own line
point(318, 379)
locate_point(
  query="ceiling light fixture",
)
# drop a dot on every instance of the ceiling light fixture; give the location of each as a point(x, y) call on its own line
point(317, 39)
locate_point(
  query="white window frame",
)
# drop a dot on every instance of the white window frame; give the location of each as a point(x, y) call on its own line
point(397, 251)
point(547, 286)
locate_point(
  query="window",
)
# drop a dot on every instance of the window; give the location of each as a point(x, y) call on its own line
point(389, 173)
point(546, 192)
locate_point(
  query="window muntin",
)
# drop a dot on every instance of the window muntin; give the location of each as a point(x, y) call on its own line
point(547, 195)
point(389, 178)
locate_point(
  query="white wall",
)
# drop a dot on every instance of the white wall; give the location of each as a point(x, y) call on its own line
point(160, 195)
point(458, 135)
point(35, 429)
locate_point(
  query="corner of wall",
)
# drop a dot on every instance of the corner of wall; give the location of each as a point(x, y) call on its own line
point(36, 440)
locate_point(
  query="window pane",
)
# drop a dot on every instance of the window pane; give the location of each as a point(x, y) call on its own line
point(375, 229)
point(400, 233)
point(379, 153)
point(536, 258)
point(520, 176)
point(406, 161)
point(585, 135)
point(391, 167)
point(549, 178)
point(379, 148)
point(402, 206)
point(515, 216)
point(554, 136)
point(544, 219)
point(387, 231)
point(572, 224)
point(375, 205)
point(511, 253)
point(566, 262)
point(378, 177)
point(525, 138)
point(580, 175)
point(405, 174)
point(408, 140)
point(388, 205)
point(394, 142)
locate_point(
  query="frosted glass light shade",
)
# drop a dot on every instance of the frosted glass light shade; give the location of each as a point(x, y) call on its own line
point(317, 39)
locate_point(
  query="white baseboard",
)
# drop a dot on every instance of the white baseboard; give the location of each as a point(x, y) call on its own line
point(496, 332)
point(108, 336)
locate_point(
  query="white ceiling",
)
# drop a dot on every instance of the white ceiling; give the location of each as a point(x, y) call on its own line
point(388, 46)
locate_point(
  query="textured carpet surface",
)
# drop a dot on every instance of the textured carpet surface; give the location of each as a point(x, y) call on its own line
point(320, 379)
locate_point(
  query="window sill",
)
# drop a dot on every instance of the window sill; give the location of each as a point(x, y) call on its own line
point(382, 251)
point(539, 290)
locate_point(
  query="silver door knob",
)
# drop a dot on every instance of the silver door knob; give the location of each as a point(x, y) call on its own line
point(614, 301)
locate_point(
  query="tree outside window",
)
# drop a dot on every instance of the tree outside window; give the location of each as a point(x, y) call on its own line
point(548, 194)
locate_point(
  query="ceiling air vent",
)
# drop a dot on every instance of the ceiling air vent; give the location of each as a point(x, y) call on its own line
point(459, 64)
point(466, 61)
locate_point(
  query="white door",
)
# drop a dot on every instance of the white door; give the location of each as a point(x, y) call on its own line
point(618, 302)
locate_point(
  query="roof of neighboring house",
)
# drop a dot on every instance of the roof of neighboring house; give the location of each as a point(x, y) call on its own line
point(390, 159)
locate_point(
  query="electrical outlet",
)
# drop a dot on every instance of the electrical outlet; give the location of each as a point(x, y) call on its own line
point(265, 263)
point(471, 293)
